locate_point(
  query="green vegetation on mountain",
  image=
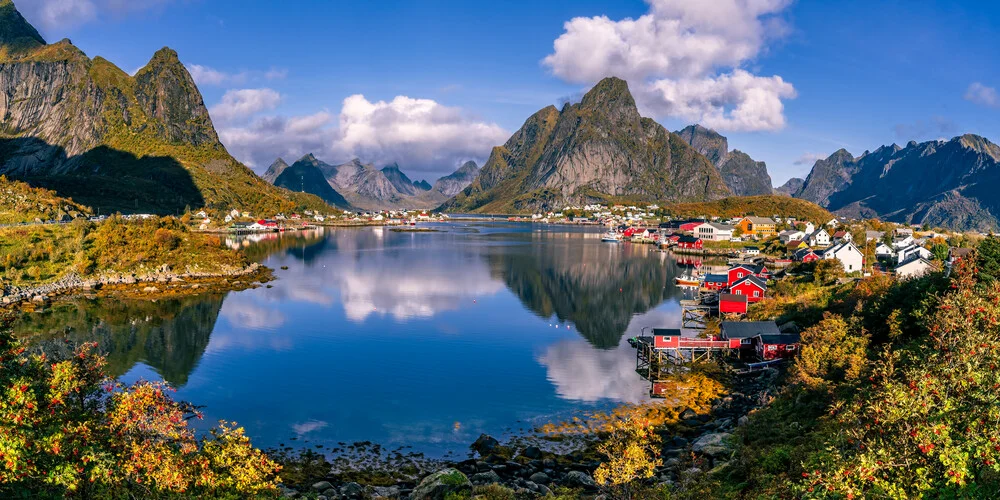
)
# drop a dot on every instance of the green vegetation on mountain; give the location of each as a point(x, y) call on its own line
point(600, 150)
point(20, 202)
point(763, 206)
point(37, 254)
point(89, 131)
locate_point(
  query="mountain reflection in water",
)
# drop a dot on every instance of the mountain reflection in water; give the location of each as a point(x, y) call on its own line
point(423, 339)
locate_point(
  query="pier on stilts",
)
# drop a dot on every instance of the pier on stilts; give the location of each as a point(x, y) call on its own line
point(660, 351)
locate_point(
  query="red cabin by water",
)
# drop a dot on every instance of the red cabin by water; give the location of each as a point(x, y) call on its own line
point(781, 346)
point(690, 243)
point(730, 303)
point(751, 287)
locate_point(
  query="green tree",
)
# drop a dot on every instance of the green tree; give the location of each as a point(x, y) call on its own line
point(940, 251)
point(988, 259)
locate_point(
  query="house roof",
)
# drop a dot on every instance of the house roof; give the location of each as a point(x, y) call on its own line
point(803, 252)
point(688, 239)
point(753, 280)
point(793, 244)
point(716, 225)
point(760, 220)
point(960, 252)
point(840, 234)
point(913, 260)
point(669, 332)
point(747, 329)
point(753, 268)
point(781, 338)
point(732, 297)
point(716, 278)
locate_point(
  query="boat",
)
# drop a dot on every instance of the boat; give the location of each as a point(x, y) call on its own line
point(690, 279)
point(611, 237)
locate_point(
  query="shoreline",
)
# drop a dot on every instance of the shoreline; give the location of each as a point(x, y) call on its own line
point(152, 286)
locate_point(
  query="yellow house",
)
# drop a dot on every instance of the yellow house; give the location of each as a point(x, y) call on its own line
point(760, 227)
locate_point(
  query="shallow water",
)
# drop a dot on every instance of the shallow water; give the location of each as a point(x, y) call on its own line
point(405, 339)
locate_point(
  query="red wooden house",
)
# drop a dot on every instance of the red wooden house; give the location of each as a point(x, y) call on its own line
point(751, 286)
point(690, 243)
point(781, 346)
point(630, 232)
point(743, 270)
point(732, 304)
point(716, 282)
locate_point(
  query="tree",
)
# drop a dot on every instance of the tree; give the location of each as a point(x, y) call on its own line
point(68, 429)
point(988, 259)
point(631, 450)
point(940, 251)
point(827, 270)
point(833, 352)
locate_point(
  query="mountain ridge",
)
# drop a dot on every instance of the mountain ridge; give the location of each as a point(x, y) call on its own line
point(743, 175)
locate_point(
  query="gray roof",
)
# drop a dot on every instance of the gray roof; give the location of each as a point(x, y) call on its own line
point(783, 338)
point(669, 332)
point(747, 329)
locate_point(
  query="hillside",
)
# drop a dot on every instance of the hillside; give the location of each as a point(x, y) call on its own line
point(20, 202)
point(742, 174)
point(940, 183)
point(599, 150)
point(87, 130)
point(764, 206)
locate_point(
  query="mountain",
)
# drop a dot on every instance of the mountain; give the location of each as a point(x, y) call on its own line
point(792, 186)
point(363, 185)
point(454, 183)
point(423, 185)
point(305, 177)
point(275, 170)
point(742, 174)
point(399, 180)
point(951, 183)
point(87, 130)
point(599, 150)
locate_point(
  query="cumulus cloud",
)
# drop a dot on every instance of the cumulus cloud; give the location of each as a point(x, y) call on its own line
point(420, 134)
point(982, 95)
point(244, 103)
point(208, 76)
point(57, 15)
point(683, 59)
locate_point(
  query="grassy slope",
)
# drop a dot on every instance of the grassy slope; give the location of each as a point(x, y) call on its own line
point(34, 255)
point(20, 202)
point(764, 206)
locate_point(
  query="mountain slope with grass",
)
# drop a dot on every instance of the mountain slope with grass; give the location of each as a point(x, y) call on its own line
point(87, 130)
point(599, 150)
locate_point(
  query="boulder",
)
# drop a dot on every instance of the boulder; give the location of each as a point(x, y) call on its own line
point(150, 289)
point(688, 414)
point(714, 444)
point(744, 420)
point(322, 486)
point(352, 490)
point(485, 445)
point(385, 492)
point(532, 452)
point(488, 477)
point(579, 478)
point(439, 484)
point(539, 478)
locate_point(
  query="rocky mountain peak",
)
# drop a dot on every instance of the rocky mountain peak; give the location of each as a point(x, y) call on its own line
point(275, 170)
point(167, 92)
point(611, 98)
point(16, 33)
point(707, 142)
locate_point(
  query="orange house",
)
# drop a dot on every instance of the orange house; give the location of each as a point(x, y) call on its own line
point(761, 227)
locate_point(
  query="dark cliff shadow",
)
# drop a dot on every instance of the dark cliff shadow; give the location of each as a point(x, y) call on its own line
point(105, 179)
point(170, 336)
point(600, 298)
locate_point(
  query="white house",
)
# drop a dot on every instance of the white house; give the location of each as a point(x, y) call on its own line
point(913, 268)
point(873, 235)
point(848, 254)
point(883, 251)
point(791, 234)
point(913, 252)
point(833, 223)
point(901, 242)
point(712, 231)
point(810, 228)
point(819, 238)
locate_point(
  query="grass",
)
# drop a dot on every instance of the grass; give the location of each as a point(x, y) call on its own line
point(20, 202)
point(35, 255)
point(764, 206)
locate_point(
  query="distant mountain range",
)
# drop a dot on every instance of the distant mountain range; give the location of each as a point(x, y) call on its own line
point(743, 175)
point(87, 130)
point(365, 187)
point(953, 183)
point(599, 150)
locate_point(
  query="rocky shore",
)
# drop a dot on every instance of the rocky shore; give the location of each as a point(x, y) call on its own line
point(163, 281)
point(699, 444)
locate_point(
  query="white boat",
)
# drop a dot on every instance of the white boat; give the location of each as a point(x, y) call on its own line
point(611, 237)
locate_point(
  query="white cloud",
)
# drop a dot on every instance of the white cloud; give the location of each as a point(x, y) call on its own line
point(421, 134)
point(683, 60)
point(208, 76)
point(982, 95)
point(244, 103)
point(418, 132)
point(58, 15)
point(809, 159)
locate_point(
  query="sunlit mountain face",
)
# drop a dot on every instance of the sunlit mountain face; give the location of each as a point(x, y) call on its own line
point(419, 339)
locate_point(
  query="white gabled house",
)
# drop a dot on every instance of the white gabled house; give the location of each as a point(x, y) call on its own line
point(884, 251)
point(912, 252)
point(901, 242)
point(791, 235)
point(848, 254)
point(712, 231)
point(913, 268)
point(818, 238)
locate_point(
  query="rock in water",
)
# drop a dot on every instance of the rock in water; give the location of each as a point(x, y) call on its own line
point(440, 484)
point(485, 445)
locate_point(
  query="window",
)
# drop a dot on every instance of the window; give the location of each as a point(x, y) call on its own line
point(756, 293)
point(772, 348)
point(790, 348)
point(738, 292)
point(745, 341)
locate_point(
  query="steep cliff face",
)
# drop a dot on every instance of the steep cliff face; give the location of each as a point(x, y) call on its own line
point(399, 180)
point(598, 150)
point(454, 183)
point(86, 129)
point(948, 183)
point(742, 174)
point(305, 177)
point(273, 171)
point(791, 187)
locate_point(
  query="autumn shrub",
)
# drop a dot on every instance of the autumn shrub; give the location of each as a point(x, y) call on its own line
point(631, 452)
point(66, 429)
point(166, 239)
point(833, 352)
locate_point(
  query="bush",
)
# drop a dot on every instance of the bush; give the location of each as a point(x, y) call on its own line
point(166, 238)
point(66, 429)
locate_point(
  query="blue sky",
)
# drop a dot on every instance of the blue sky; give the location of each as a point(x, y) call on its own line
point(437, 82)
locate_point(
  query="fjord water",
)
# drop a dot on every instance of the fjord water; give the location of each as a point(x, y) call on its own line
point(400, 338)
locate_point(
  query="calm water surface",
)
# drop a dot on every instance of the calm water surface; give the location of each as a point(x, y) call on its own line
point(419, 339)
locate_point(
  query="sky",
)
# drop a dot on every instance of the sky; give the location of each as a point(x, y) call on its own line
point(432, 83)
